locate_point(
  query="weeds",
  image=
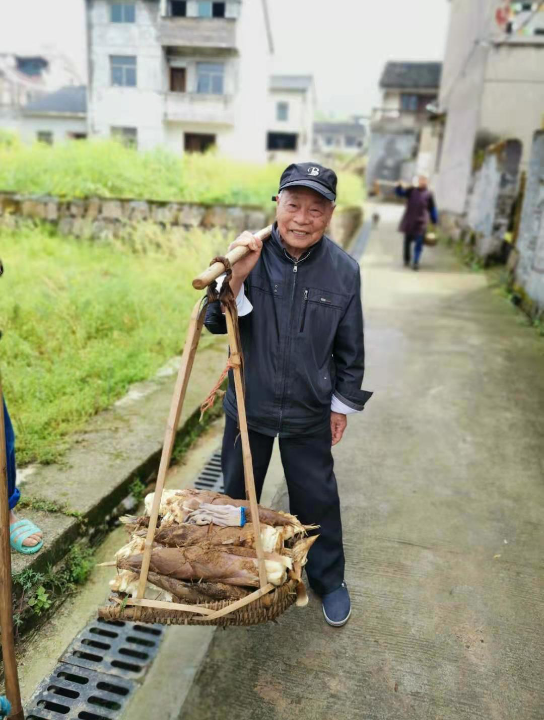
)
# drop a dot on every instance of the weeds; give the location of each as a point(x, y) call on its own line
point(109, 169)
point(138, 490)
point(37, 592)
point(81, 322)
point(48, 506)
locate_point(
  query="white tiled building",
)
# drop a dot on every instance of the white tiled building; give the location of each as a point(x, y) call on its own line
point(291, 108)
point(188, 74)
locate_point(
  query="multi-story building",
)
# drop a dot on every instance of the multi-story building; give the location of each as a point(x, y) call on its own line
point(492, 87)
point(27, 78)
point(22, 79)
point(291, 107)
point(396, 127)
point(187, 74)
point(340, 138)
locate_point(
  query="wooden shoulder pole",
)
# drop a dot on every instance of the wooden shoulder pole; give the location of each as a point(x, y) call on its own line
point(233, 256)
point(236, 362)
point(13, 692)
point(193, 336)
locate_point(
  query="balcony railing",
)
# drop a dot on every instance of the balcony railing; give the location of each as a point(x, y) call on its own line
point(398, 118)
point(216, 33)
point(199, 108)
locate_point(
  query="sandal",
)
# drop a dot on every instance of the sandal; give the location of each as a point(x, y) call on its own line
point(19, 532)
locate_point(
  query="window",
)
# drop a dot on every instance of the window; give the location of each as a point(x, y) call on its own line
point(178, 8)
point(351, 141)
point(205, 8)
point(210, 78)
point(178, 80)
point(211, 9)
point(45, 136)
point(282, 111)
point(123, 12)
point(197, 142)
point(408, 103)
point(282, 141)
point(76, 136)
point(126, 135)
point(329, 140)
point(123, 70)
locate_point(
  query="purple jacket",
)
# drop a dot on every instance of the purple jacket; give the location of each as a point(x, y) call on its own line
point(419, 209)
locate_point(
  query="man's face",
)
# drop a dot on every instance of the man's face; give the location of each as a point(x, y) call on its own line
point(302, 216)
point(423, 182)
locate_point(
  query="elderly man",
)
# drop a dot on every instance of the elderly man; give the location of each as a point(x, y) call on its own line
point(301, 327)
point(420, 207)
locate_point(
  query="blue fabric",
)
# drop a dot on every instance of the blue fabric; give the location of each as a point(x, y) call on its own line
point(434, 214)
point(13, 492)
point(401, 192)
point(419, 248)
point(5, 707)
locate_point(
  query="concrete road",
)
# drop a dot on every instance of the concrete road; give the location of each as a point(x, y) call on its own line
point(442, 484)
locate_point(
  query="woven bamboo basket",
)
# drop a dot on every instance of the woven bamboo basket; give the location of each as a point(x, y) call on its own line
point(268, 602)
point(264, 609)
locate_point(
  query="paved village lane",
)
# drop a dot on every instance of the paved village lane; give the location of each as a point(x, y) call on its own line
point(442, 487)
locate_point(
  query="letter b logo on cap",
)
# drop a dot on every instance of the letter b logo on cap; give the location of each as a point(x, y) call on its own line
point(313, 171)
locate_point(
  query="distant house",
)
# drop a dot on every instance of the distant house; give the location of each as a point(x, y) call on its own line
point(27, 78)
point(339, 137)
point(402, 139)
point(291, 106)
point(186, 74)
point(58, 116)
point(22, 79)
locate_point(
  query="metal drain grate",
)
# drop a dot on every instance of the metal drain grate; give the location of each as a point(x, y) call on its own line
point(74, 692)
point(211, 478)
point(96, 674)
point(118, 648)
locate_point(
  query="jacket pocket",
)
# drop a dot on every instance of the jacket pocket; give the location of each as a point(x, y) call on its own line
point(327, 299)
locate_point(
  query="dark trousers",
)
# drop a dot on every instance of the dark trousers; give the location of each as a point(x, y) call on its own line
point(313, 495)
point(13, 492)
point(408, 240)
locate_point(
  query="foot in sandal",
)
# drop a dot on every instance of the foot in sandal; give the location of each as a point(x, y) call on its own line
point(24, 536)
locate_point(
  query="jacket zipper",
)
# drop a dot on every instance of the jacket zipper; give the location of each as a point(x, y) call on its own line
point(295, 271)
point(304, 310)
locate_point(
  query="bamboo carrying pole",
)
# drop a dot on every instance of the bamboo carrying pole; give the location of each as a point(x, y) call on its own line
point(195, 330)
point(236, 362)
point(189, 352)
point(233, 256)
point(6, 613)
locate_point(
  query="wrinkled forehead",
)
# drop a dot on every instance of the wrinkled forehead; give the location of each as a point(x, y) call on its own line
point(305, 194)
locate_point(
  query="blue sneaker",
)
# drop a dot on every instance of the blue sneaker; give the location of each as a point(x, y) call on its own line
point(337, 606)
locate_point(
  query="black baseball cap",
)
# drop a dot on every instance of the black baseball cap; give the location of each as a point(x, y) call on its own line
point(311, 175)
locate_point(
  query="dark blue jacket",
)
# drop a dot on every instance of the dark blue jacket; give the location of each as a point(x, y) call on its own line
point(303, 341)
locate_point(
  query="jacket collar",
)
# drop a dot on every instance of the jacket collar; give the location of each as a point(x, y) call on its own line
point(279, 248)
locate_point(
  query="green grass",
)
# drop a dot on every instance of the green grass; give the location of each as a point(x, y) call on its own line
point(109, 169)
point(82, 321)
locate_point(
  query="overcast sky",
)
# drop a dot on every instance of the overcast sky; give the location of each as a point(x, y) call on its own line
point(344, 43)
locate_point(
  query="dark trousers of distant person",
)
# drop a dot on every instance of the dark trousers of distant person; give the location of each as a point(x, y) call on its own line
point(313, 494)
point(408, 240)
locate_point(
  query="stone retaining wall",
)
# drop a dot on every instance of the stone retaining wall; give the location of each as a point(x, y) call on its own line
point(494, 192)
point(103, 218)
point(529, 273)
